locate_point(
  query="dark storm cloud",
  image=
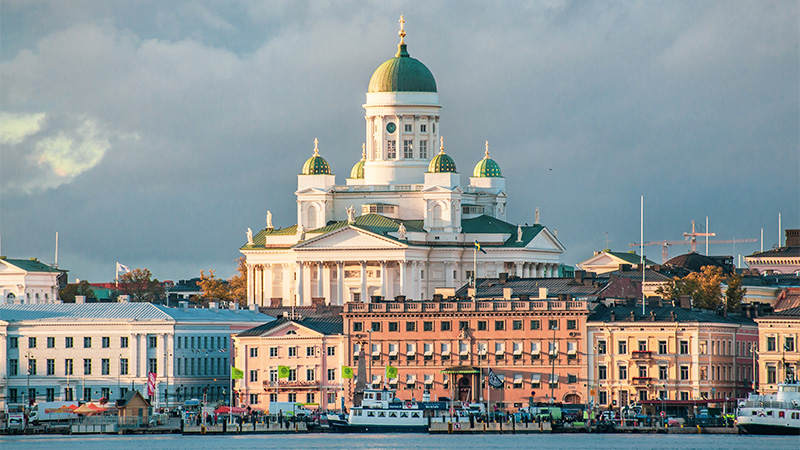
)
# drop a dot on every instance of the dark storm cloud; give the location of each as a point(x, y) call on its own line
point(209, 111)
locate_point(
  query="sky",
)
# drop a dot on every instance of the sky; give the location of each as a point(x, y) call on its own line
point(155, 133)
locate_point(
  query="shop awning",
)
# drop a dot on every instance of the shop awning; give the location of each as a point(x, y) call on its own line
point(460, 369)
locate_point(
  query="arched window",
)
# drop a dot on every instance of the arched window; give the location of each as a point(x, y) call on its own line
point(438, 213)
point(312, 217)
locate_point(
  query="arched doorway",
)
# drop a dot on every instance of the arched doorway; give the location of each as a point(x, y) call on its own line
point(464, 393)
point(572, 398)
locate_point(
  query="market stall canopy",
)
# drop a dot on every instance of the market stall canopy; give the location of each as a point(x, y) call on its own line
point(227, 410)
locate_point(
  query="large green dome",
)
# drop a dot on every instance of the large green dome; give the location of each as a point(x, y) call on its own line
point(487, 167)
point(442, 163)
point(316, 165)
point(402, 74)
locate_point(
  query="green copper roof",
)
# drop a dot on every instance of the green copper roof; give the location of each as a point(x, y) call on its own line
point(30, 265)
point(487, 167)
point(316, 165)
point(402, 74)
point(442, 163)
point(358, 170)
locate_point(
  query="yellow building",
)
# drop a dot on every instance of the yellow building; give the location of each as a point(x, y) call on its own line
point(778, 355)
point(668, 354)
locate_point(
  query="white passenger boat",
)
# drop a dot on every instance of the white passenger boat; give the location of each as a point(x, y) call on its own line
point(777, 413)
point(382, 412)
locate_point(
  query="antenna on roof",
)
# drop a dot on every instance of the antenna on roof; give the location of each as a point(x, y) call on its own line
point(55, 264)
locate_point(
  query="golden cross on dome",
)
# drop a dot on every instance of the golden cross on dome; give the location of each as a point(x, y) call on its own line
point(487, 150)
point(441, 144)
point(402, 31)
point(316, 149)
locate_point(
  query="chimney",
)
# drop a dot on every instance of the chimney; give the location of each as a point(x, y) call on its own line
point(400, 298)
point(254, 308)
point(275, 302)
point(613, 317)
point(686, 302)
point(503, 277)
point(579, 275)
point(542, 293)
point(793, 237)
point(80, 299)
point(524, 297)
point(124, 298)
point(234, 306)
point(652, 316)
point(212, 305)
point(507, 292)
point(624, 267)
point(184, 305)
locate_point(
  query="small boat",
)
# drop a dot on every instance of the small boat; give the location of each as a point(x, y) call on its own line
point(382, 412)
point(777, 413)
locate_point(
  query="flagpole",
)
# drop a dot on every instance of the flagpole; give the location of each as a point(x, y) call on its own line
point(116, 276)
point(230, 405)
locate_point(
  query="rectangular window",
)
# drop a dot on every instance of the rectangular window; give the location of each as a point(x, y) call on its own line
point(331, 375)
point(292, 397)
point(152, 365)
point(427, 326)
point(662, 372)
point(393, 326)
point(411, 326)
point(642, 346)
point(535, 325)
point(68, 367)
point(408, 128)
point(788, 344)
point(13, 342)
point(623, 373)
point(601, 373)
point(87, 366)
point(87, 394)
point(684, 372)
point(391, 149)
point(273, 397)
point(423, 128)
point(106, 341)
point(464, 325)
point(51, 366)
point(87, 342)
point(123, 342)
point(50, 395)
point(499, 325)
point(152, 341)
point(684, 347)
point(552, 325)
point(13, 367)
point(684, 395)
point(310, 397)
point(273, 375)
point(273, 352)
point(482, 325)
point(105, 366)
point(572, 379)
point(572, 324)
point(771, 374)
point(358, 326)
point(771, 344)
point(123, 366)
point(423, 148)
point(602, 397)
point(253, 399)
point(51, 342)
point(601, 347)
point(642, 371)
point(31, 342)
point(376, 326)
point(292, 351)
point(292, 374)
point(254, 352)
point(311, 351)
point(662, 347)
point(445, 325)
point(331, 351)
point(254, 376)
point(311, 375)
point(68, 342)
point(31, 367)
point(622, 347)
point(408, 149)
point(516, 324)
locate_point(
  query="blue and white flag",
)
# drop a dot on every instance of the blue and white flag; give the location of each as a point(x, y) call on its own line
point(122, 268)
point(494, 380)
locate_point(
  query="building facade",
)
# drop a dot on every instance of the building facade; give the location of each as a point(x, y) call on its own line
point(778, 355)
point(70, 352)
point(312, 348)
point(29, 281)
point(536, 347)
point(668, 353)
point(784, 259)
point(403, 224)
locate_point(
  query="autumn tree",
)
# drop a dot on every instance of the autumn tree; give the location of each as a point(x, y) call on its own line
point(235, 289)
point(140, 285)
point(705, 289)
point(68, 294)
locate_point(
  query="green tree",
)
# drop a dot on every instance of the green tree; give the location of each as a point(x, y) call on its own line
point(140, 285)
point(735, 293)
point(67, 295)
point(238, 283)
point(234, 289)
point(705, 289)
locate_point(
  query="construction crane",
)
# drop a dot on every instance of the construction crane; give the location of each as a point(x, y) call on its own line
point(693, 242)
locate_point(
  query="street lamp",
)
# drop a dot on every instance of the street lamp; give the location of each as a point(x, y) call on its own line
point(119, 373)
point(28, 392)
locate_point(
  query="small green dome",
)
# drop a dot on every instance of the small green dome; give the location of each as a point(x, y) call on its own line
point(442, 163)
point(487, 167)
point(316, 165)
point(358, 170)
point(402, 74)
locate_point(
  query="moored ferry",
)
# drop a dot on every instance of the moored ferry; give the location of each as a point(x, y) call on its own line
point(777, 413)
point(382, 412)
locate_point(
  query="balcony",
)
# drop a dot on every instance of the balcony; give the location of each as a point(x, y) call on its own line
point(641, 354)
point(641, 380)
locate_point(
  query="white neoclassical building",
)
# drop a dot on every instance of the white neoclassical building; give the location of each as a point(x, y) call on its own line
point(29, 281)
point(402, 224)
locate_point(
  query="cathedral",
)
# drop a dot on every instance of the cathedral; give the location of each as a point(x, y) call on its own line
point(402, 226)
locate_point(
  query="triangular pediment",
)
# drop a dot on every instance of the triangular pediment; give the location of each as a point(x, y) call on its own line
point(443, 189)
point(291, 329)
point(312, 190)
point(602, 259)
point(350, 238)
point(545, 240)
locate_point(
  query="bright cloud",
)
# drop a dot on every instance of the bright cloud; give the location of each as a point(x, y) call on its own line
point(72, 152)
point(15, 128)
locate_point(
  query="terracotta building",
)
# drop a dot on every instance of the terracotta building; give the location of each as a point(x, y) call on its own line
point(537, 348)
point(668, 353)
point(778, 354)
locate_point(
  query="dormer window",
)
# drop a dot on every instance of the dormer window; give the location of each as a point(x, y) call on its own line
point(379, 208)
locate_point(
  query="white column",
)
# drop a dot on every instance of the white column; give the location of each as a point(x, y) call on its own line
point(364, 295)
point(456, 270)
point(267, 283)
point(287, 284)
point(250, 284)
point(320, 286)
point(424, 276)
point(299, 288)
point(448, 274)
point(402, 268)
point(383, 279)
point(340, 282)
point(518, 269)
point(326, 285)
